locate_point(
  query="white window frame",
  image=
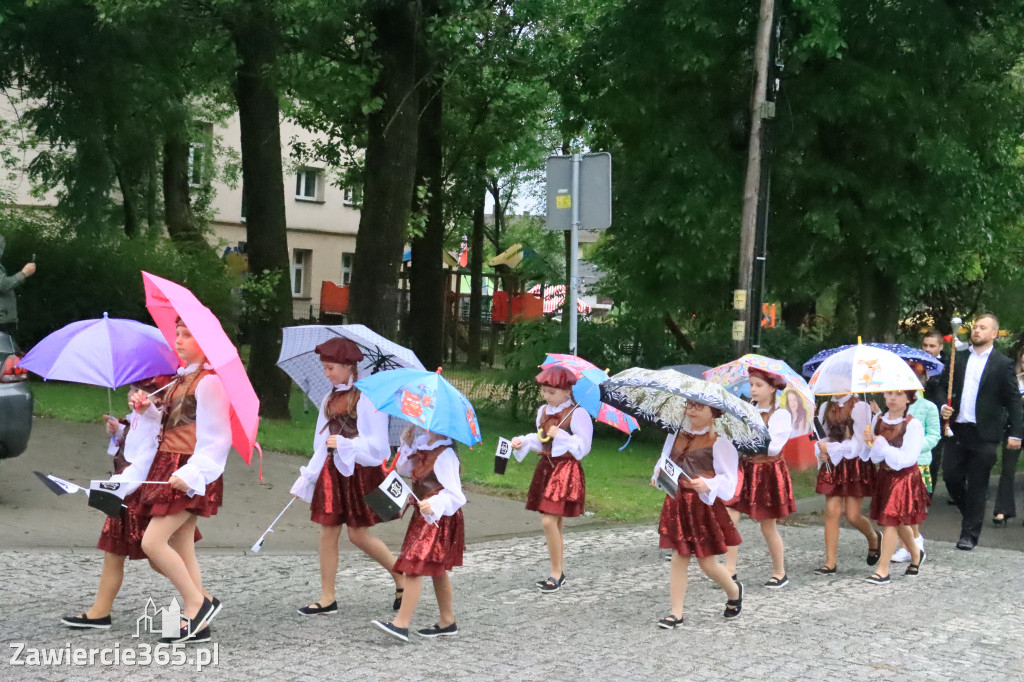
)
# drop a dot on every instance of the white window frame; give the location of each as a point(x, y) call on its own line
point(299, 270)
point(192, 147)
point(346, 270)
point(302, 184)
point(351, 196)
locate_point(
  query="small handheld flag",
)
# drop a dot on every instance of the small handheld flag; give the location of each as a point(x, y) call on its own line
point(390, 497)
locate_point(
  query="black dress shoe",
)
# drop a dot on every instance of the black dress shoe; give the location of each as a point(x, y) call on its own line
point(315, 609)
point(966, 544)
point(83, 622)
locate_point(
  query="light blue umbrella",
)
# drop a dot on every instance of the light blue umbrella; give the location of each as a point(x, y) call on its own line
point(425, 399)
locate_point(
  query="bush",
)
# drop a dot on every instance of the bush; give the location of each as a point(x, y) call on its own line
point(82, 276)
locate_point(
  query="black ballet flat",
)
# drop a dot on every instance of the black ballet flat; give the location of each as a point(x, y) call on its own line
point(670, 622)
point(734, 606)
point(875, 554)
point(397, 604)
point(824, 569)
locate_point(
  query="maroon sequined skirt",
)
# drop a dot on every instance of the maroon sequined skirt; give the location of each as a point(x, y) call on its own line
point(690, 526)
point(734, 500)
point(901, 498)
point(558, 487)
point(339, 500)
point(432, 550)
point(850, 478)
point(767, 491)
point(163, 500)
point(123, 536)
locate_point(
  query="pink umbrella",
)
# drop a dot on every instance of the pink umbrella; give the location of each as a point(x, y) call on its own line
point(167, 301)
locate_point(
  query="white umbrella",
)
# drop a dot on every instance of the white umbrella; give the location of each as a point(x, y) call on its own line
point(863, 369)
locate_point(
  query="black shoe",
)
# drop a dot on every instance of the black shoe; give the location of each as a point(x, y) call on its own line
point(670, 622)
point(436, 630)
point(825, 570)
point(951, 502)
point(914, 569)
point(316, 610)
point(876, 579)
point(1001, 523)
point(875, 554)
point(540, 583)
point(734, 606)
point(965, 544)
point(775, 583)
point(397, 604)
point(203, 635)
point(83, 622)
point(552, 585)
point(393, 630)
point(216, 609)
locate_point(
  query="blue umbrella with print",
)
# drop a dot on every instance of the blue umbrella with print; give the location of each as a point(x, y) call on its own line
point(425, 399)
point(932, 365)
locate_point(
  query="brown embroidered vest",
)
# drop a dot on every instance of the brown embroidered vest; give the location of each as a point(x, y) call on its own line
point(424, 480)
point(178, 424)
point(549, 420)
point(839, 419)
point(893, 433)
point(695, 453)
point(340, 410)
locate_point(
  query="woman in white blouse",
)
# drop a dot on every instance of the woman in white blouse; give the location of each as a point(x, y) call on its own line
point(901, 498)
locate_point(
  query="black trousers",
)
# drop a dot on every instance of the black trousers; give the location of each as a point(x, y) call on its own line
point(936, 466)
point(967, 464)
point(1005, 504)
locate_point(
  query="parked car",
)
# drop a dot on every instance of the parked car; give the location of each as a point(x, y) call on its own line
point(15, 400)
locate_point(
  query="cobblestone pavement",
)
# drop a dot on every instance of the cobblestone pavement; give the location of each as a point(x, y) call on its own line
point(961, 619)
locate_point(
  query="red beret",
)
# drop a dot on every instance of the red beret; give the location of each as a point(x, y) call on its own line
point(767, 377)
point(556, 377)
point(340, 350)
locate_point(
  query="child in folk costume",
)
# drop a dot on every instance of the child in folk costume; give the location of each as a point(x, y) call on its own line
point(695, 521)
point(766, 491)
point(901, 499)
point(350, 443)
point(559, 486)
point(194, 443)
point(132, 439)
point(845, 476)
point(435, 538)
point(927, 413)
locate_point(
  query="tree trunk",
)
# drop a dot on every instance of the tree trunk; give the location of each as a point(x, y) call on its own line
point(476, 274)
point(390, 173)
point(181, 227)
point(426, 310)
point(794, 313)
point(879, 304)
point(262, 175)
point(131, 218)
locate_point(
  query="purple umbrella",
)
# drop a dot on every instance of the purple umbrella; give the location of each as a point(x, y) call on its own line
point(105, 352)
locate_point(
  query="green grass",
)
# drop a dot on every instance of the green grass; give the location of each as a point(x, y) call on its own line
point(617, 482)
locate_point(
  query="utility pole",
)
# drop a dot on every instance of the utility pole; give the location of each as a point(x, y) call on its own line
point(760, 109)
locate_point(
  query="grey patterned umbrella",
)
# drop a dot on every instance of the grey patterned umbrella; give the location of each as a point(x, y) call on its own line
point(299, 359)
point(660, 396)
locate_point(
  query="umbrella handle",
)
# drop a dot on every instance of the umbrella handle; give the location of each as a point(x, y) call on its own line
point(540, 432)
point(389, 468)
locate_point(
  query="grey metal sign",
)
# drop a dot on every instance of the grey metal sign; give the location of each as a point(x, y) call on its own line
point(595, 192)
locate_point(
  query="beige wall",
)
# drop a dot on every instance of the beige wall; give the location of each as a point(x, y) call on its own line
point(325, 226)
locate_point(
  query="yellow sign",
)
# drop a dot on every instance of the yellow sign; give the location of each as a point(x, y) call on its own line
point(563, 201)
point(739, 330)
point(739, 299)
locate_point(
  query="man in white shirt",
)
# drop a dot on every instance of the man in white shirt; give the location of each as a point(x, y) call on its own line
point(986, 405)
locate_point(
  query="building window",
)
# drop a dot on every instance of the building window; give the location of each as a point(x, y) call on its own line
point(301, 259)
point(307, 184)
point(347, 260)
point(352, 196)
point(196, 159)
point(245, 204)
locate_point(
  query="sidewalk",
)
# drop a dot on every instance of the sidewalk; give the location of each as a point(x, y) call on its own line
point(960, 619)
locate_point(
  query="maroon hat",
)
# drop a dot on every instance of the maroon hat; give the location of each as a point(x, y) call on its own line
point(767, 377)
point(340, 350)
point(556, 377)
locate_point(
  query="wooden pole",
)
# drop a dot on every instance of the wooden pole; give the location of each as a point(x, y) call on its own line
point(751, 189)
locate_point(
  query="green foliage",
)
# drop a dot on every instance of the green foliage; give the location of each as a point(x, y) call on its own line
point(259, 297)
point(82, 274)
